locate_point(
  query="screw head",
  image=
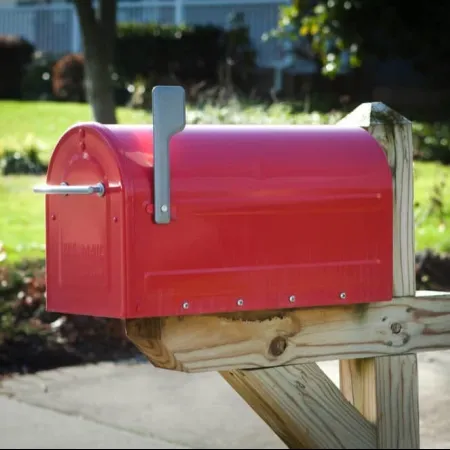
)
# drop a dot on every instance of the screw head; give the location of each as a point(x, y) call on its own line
point(396, 328)
point(164, 208)
point(292, 298)
point(185, 305)
point(240, 302)
point(343, 295)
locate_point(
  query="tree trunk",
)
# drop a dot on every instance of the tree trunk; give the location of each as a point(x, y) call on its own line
point(99, 90)
point(98, 41)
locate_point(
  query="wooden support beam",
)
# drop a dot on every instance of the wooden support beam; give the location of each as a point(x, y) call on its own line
point(385, 390)
point(256, 340)
point(394, 134)
point(303, 407)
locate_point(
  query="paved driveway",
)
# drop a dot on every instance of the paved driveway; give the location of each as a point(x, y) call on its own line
point(137, 406)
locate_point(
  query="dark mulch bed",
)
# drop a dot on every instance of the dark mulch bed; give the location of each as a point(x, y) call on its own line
point(31, 339)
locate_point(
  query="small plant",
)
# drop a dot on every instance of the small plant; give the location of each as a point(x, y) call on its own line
point(24, 162)
point(435, 206)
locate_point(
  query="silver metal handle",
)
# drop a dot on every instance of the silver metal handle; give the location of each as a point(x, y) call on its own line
point(169, 117)
point(65, 189)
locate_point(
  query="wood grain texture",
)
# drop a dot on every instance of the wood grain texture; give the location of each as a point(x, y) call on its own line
point(394, 133)
point(398, 402)
point(248, 340)
point(358, 380)
point(303, 407)
point(385, 390)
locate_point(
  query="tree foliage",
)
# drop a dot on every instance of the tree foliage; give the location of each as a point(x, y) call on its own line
point(384, 29)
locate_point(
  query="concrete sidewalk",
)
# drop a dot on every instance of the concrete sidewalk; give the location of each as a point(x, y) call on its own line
point(137, 406)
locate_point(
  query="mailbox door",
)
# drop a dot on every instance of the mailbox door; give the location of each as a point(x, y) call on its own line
point(85, 259)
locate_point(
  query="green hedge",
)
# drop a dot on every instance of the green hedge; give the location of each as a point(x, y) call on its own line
point(143, 50)
point(147, 52)
point(191, 54)
point(15, 54)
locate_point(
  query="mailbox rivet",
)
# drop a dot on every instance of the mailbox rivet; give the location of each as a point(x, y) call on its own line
point(53, 217)
point(164, 208)
point(185, 305)
point(292, 298)
point(343, 295)
point(240, 302)
point(115, 219)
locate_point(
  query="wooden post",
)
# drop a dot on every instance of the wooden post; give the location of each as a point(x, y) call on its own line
point(269, 357)
point(385, 389)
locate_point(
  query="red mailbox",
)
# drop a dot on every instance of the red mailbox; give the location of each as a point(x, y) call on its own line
point(228, 218)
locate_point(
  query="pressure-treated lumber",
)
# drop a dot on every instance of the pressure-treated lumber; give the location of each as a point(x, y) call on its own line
point(252, 340)
point(268, 357)
point(385, 390)
point(394, 133)
point(303, 407)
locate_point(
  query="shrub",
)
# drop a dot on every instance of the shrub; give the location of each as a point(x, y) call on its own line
point(37, 80)
point(15, 54)
point(68, 81)
point(432, 142)
point(27, 161)
point(33, 339)
point(68, 78)
point(188, 55)
point(239, 58)
point(144, 50)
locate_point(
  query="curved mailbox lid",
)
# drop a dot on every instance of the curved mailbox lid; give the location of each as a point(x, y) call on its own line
point(85, 233)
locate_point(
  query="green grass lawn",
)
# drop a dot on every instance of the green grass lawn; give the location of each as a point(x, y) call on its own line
point(432, 206)
point(22, 227)
point(41, 124)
